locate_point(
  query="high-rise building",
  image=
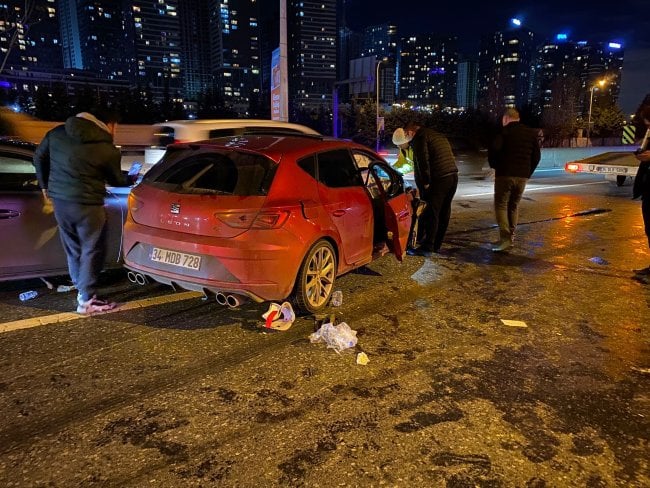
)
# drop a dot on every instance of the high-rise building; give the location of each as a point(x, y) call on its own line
point(236, 52)
point(428, 71)
point(381, 41)
point(348, 48)
point(467, 85)
point(91, 30)
point(195, 41)
point(269, 41)
point(312, 40)
point(29, 36)
point(158, 47)
point(599, 61)
point(505, 64)
point(565, 72)
point(70, 38)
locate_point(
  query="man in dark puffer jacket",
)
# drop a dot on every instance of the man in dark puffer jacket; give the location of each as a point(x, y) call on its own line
point(436, 177)
point(514, 155)
point(74, 162)
point(641, 187)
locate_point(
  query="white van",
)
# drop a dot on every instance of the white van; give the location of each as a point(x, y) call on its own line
point(166, 133)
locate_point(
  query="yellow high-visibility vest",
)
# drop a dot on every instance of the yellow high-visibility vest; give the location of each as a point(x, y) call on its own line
point(404, 163)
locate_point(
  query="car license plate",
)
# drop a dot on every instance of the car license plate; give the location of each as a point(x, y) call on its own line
point(606, 169)
point(174, 258)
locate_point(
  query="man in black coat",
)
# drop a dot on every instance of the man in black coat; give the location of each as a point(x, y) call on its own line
point(642, 187)
point(73, 163)
point(514, 155)
point(436, 177)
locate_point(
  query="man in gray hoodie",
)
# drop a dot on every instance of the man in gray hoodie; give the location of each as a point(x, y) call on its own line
point(74, 162)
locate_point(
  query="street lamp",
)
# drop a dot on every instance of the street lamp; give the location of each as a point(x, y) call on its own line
point(377, 90)
point(599, 83)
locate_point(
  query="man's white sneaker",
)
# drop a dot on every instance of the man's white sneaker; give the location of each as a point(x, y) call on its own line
point(95, 305)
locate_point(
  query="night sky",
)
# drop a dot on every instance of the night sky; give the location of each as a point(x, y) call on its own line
point(624, 21)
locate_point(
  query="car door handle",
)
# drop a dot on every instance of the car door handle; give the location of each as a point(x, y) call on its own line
point(8, 214)
point(338, 213)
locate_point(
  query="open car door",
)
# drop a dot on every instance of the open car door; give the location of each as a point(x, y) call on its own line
point(397, 206)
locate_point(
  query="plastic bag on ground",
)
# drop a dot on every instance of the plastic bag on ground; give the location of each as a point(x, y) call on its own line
point(338, 337)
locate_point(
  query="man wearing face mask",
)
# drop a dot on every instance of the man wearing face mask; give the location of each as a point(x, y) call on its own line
point(436, 177)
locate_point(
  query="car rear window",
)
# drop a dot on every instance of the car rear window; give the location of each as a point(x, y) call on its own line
point(232, 173)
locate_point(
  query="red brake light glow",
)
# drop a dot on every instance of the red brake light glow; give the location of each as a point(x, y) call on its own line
point(572, 167)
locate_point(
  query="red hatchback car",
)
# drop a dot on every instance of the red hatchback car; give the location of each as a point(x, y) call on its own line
point(266, 217)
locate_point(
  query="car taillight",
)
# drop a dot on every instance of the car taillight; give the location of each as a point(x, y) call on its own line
point(254, 220)
point(572, 167)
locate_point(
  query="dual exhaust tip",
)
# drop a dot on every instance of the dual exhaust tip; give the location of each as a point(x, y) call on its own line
point(231, 301)
point(137, 278)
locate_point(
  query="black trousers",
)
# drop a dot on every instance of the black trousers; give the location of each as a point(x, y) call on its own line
point(83, 235)
point(433, 222)
point(645, 210)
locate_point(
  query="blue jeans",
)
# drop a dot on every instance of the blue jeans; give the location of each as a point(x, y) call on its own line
point(83, 235)
point(508, 191)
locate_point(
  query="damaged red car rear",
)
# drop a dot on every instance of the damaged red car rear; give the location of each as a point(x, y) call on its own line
point(265, 217)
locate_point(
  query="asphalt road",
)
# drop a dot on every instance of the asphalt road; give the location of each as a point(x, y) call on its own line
point(185, 392)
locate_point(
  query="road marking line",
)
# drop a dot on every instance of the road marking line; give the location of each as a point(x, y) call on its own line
point(68, 316)
point(536, 188)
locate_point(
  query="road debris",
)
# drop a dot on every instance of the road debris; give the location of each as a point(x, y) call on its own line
point(362, 359)
point(49, 285)
point(338, 337)
point(279, 317)
point(514, 323)
point(27, 295)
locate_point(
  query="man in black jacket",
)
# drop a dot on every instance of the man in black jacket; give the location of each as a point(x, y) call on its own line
point(514, 155)
point(73, 164)
point(436, 177)
point(642, 187)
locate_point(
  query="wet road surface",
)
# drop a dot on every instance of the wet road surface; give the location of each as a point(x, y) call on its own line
point(189, 393)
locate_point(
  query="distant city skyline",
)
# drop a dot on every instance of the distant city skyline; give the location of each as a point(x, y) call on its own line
point(623, 21)
point(187, 52)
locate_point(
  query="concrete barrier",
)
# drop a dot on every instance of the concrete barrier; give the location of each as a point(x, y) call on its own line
point(558, 157)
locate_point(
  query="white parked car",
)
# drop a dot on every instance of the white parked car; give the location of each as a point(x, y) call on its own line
point(166, 133)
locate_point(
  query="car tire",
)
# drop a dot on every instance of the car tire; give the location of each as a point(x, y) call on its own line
point(315, 280)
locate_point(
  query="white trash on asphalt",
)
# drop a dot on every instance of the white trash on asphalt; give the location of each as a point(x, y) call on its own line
point(362, 359)
point(279, 317)
point(514, 323)
point(338, 337)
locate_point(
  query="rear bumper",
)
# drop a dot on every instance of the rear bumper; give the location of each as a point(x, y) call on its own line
point(261, 265)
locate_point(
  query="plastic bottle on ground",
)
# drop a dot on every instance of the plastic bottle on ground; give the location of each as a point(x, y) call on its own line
point(27, 295)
